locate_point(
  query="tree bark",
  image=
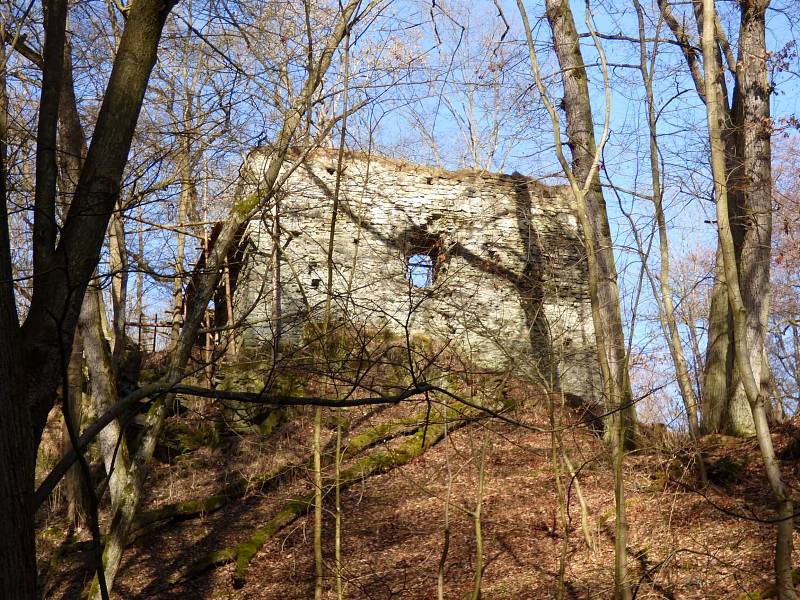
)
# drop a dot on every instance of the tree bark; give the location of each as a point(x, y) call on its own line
point(75, 492)
point(749, 314)
point(58, 295)
point(113, 447)
point(724, 407)
point(17, 452)
point(45, 223)
point(72, 152)
point(753, 112)
point(580, 133)
point(614, 389)
point(748, 159)
point(31, 355)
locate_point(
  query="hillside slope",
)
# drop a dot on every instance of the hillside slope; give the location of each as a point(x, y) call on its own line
point(683, 543)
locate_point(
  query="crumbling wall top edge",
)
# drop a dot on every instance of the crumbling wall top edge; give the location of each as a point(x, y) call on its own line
point(350, 156)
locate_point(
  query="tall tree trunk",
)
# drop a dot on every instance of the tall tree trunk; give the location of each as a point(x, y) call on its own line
point(59, 290)
point(72, 152)
point(580, 133)
point(614, 390)
point(749, 204)
point(187, 204)
point(749, 312)
point(724, 407)
point(666, 309)
point(755, 219)
point(17, 545)
point(31, 356)
point(113, 446)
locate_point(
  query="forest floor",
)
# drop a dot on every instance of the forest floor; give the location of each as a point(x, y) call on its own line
point(684, 542)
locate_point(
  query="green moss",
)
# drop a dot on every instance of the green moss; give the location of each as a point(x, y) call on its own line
point(726, 470)
point(247, 417)
point(180, 438)
point(245, 551)
point(244, 206)
point(273, 420)
point(380, 433)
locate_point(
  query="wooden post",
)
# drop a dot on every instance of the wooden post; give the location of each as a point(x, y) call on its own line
point(229, 306)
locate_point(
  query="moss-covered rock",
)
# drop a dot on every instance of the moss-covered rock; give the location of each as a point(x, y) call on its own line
point(726, 470)
point(180, 438)
point(257, 378)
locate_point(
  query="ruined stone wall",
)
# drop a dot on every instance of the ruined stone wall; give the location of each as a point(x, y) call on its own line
point(509, 284)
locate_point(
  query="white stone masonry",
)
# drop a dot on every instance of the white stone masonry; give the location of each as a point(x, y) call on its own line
point(508, 286)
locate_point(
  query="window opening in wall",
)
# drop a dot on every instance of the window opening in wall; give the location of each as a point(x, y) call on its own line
point(420, 270)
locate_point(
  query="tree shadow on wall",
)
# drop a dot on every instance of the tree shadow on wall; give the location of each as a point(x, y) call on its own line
point(528, 284)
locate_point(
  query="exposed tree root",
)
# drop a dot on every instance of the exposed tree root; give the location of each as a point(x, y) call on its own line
point(383, 461)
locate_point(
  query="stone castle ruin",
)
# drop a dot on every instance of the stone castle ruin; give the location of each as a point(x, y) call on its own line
point(491, 264)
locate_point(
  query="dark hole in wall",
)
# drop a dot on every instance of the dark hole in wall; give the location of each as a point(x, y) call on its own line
point(423, 255)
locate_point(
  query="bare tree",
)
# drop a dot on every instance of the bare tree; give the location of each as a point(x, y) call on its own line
point(748, 292)
point(583, 180)
point(64, 260)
